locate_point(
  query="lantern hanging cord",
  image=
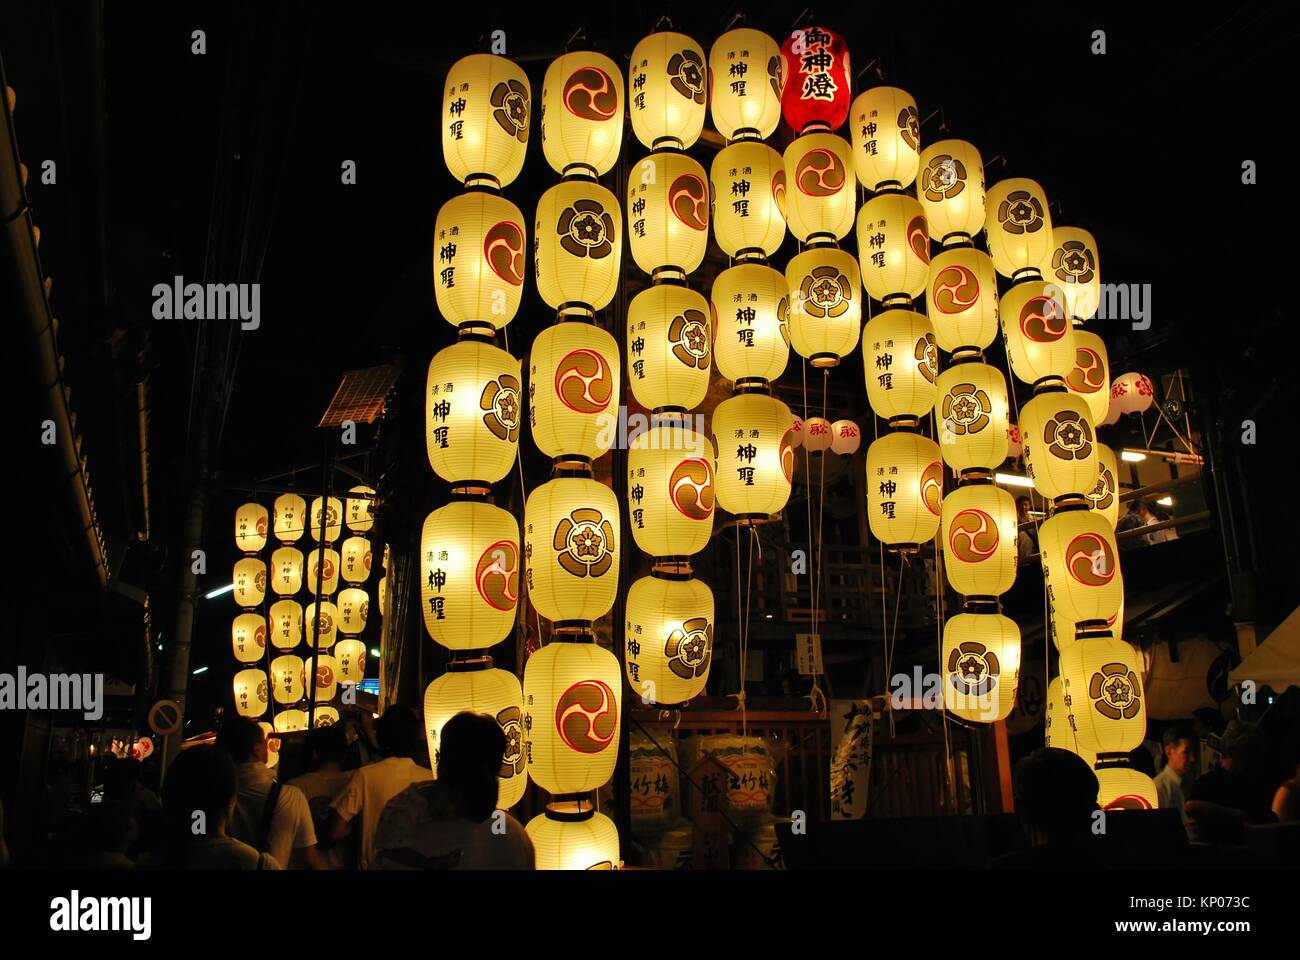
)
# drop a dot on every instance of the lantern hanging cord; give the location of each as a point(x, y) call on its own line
point(523, 497)
point(816, 693)
point(893, 633)
point(938, 636)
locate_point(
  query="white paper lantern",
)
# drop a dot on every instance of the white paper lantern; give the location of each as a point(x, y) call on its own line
point(495, 693)
point(846, 437)
point(818, 434)
point(250, 692)
point(250, 527)
point(571, 546)
point(286, 624)
point(573, 700)
point(668, 638)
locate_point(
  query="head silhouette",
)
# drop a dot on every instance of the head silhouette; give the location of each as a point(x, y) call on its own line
point(1056, 793)
point(470, 749)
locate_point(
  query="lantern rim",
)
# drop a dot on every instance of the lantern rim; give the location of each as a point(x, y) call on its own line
point(673, 569)
point(750, 255)
point(1026, 275)
point(1052, 383)
point(824, 361)
point(907, 423)
point(1113, 761)
point(975, 477)
point(472, 490)
point(669, 274)
point(573, 631)
point(747, 385)
point(819, 239)
point(486, 182)
point(966, 353)
point(979, 603)
point(957, 240)
point(470, 664)
point(576, 311)
point(586, 809)
point(579, 171)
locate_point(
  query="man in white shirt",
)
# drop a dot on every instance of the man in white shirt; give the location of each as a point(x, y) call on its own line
point(358, 808)
point(1180, 759)
point(286, 832)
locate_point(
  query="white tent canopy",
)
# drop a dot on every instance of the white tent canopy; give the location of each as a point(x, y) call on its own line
point(1275, 662)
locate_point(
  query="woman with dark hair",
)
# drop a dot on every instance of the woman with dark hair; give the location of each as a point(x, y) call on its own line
point(452, 823)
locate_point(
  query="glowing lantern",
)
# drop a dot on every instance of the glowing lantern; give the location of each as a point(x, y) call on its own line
point(669, 638)
point(1102, 677)
point(286, 571)
point(350, 659)
point(326, 678)
point(250, 582)
point(289, 678)
point(668, 347)
point(1039, 336)
point(286, 624)
point(322, 627)
point(330, 525)
point(485, 117)
point(820, 196)
point(818, 434)
point(571, 535)
point(1133, 393)
point(668, 214)
point(950, 187)
point(1074, 266)
point(1019, 227)
point(1060, 447)
point(582, 113)
point(981, 663)
point(670, 490)
point(489, 691)
point(473, 407)
point(670, 84)
point(290, 517)
point(901, 362)
point(250, 527)
point(322, 577)
point(1104, 497)
point(290, 721)
point(1065, 631)
point(250, 690)
point(354, 607)
point(1014, 443)
point(755, 459)
point(1090, 377)
point(1113, 412)
point(746, 74)
point(326, 717)
point(979, 539)
point(748, 303)
point(816, 91)
point(359, 512)
point(579, 237)
point(886, 134)
point(825, 304)
point(272, 744)
point(248, 637)
point(846, 437)
point(893, 248)
point(582, 841)
point(479, 256)
point(1059, 723)
point(1081, 566)
point(795, 436)
point(746, 219)
point(970, 407)
point(573, 702)
point(1123, 788)
point(573, 381)
point(356, 560)
point(469, 574)
point(962, 299)
point(904, 489)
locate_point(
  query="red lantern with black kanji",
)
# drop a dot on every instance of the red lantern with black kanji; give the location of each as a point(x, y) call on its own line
point(816, 94)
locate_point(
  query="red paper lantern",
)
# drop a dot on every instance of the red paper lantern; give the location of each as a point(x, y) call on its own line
point(816, 94)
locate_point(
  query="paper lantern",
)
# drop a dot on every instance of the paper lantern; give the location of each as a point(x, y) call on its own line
point(1019, 227)
point(1133, 393)
point(586, 842)
point(250, 582)
point(290, 517)
point(322, 572)
point(981, 664)
point(1014, 443)
point(250, 527)
point(820, 196)
point(290, 721)
point(248, 637)
point(355, 557)
point(485, 116)
point(1123, 788)
point(1113, 412)
point(472, 412)
point(746, 74)
point(795, 436)
point(289, 679)
point(669, 638)
point(286, 571)
point(755, 460)
point(846, 437)
point(354, 607)
point(950, 187)
point(1081, 566)
point(749, 339)
point(332, 522)
point(350, 660)
point(573, 708)
point(322, 627)
point(670, 490)
point(670, 85)
point(286, 624)
point(582, 113)
point(573, 390)
point(495, 693)
point(668, 214)
point(818, 434)
point(480, 251)
point(979, 539)
point(970, 409)
point(1102, 677)
point(962, 299)
point(816, 92)
point(1060, 448)
point(1059, 724)
point(1090, 377)
point(893, 248)
point(250, 691)
point(326, 679)
point(904, 489)
point(901, 361)
point(669, 353)
point(746, 219)
point(1066, 631)
point(886, 134)
point(326, 717)
point(359, 512)
point(469, 574)
point(1039, 337)
point(1104, 497)
point(825, 304)
point(1075, 268)
point(579, 236)
point(571, 546)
